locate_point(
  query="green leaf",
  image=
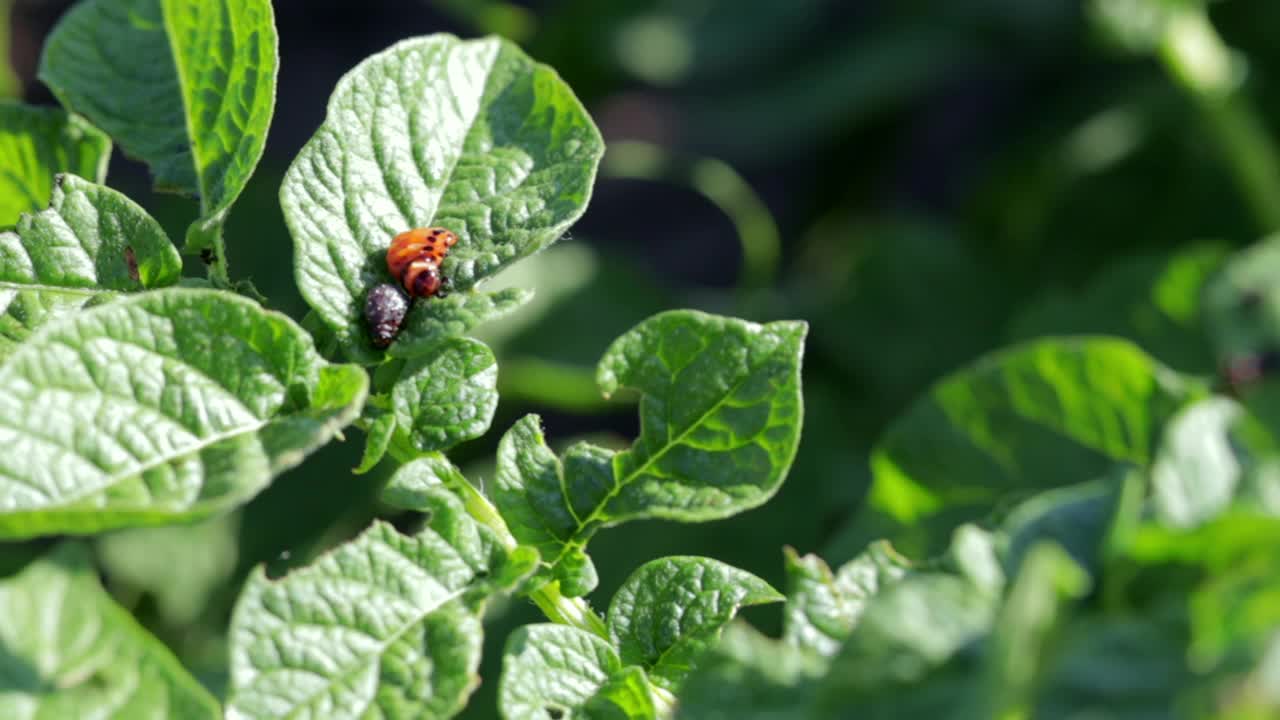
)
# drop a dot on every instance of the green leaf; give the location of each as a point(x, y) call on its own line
point(182, 567)
point(823, 608)
point(169, 406)
point(531, 493)
point(1108, 664)
point(431, 323)
point(906, 632)
point(473, 136)
point(380, 429)
point(553, 671)
point(1077, 518)
point(672, 609)
point(748, 676)
point(35, 145)
point(90, 239)
point(186, 86)
point(70, 651)
point(1196, 472)
point(626, 696)
point(720, 414)
point(720, 420)
point(385, 625)
point(433, 485)
point(447, 397)
point(1035, 612)
point(91, 243)
point(1040, 415)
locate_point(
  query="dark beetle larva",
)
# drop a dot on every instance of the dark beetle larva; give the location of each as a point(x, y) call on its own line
point(384, 311)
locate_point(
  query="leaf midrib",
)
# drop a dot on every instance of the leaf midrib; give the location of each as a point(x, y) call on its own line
point(619, 485)
point(164, 458)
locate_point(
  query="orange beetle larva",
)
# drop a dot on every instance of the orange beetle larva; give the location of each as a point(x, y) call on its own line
point(414, 259)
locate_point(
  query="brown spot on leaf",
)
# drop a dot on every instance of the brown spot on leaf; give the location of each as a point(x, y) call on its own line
point(131, 262)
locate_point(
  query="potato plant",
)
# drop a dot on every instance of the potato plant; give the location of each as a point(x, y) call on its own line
point(1065, 527)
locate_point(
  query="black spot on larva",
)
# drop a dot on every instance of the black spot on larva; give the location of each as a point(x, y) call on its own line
point(384, 312)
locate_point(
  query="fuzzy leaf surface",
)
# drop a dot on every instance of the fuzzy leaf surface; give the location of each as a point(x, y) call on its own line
point(555, 671)
point(672, 609)
point(168, 406)
point(385, 625)
point(446, 397)
point(89, 244)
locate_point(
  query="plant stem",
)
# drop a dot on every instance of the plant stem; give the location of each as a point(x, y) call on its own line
point(573, 612)
point(1198, 60)
point(559, 609)
point(219, 276)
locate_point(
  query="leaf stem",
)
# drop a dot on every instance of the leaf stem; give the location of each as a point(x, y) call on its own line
point(574, 612)
point(1198, 60)
point(219, 275)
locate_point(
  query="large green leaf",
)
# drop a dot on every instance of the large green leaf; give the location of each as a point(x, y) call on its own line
point(385, 625)
point(666, 615)
point(1040, 415)
point(70, 652)
point(720, 416)
point(186, 86)
point(473, 136)
point(823, 607)
point(91, 243)
point(35, 145)
point(168, 406)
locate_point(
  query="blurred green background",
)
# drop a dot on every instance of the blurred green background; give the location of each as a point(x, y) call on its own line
point(921, 181)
